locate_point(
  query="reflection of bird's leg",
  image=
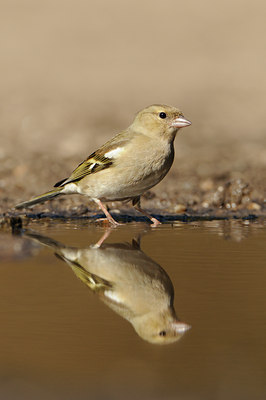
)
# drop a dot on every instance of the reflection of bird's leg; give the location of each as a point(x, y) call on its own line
point(103, 238)
point(136, 205)
point(107, 214)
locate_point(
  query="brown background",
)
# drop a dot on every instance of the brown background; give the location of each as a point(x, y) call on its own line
point(73, 73)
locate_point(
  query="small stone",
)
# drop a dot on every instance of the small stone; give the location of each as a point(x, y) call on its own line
point(115, 211)
point(217, 198)
point(245, 200)
point(178, 208)
point(207, 185)
point(253, 206)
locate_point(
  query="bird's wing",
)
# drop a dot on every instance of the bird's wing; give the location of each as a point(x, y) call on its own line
point(97, 161)
point(94, 163)
point(93, 281)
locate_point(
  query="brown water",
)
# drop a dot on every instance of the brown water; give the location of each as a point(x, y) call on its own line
point(60, 341)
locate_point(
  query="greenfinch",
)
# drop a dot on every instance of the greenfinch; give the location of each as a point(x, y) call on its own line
point(129, 164)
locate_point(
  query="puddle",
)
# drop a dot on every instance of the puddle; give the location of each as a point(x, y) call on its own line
point(88, 323)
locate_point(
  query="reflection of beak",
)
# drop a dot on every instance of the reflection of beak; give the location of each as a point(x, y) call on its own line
point(181, 327)
point(180, 122)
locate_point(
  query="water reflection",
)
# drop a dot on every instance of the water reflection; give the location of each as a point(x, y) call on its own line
point(235, 230)
point(128, 281)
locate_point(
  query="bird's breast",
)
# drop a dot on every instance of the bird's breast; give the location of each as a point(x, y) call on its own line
point(131, 174)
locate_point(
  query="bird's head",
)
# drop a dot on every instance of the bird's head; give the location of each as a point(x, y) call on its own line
point(160, 327)
point(160, 120)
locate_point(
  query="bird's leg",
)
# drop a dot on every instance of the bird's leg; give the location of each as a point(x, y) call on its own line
point(136, 205)
point(102, 239)
point(107, 214)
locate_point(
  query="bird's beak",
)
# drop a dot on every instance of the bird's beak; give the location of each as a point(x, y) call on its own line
point(180, 122)
point(181, 327)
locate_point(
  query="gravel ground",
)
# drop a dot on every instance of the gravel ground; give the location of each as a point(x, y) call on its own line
point(194, 191)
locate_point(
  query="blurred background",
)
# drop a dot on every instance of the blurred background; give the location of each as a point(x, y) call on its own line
point(73, 73)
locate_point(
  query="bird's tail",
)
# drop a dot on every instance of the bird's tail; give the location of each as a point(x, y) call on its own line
point(40, 199)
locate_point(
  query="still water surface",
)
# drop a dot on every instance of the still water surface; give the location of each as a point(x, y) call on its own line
point(87, 323)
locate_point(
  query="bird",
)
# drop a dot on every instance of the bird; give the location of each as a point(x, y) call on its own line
point(127, 281)
point(127, 165)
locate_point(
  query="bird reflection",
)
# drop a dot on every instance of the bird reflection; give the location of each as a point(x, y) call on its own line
point(128, 281)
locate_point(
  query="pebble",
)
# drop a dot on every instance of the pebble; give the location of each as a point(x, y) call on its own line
point(254, 206)
point(207, 185)
point(178, 208)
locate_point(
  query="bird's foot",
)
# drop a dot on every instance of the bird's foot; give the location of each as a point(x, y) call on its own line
point(107, 214)
point(155, 222)
point(108, 222)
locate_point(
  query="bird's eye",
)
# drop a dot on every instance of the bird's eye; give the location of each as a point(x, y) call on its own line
point(162, 115)
point(162, 333)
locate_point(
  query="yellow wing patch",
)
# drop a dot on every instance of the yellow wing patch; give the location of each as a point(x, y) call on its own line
point(94, 163)
point(94, 282)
